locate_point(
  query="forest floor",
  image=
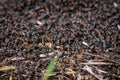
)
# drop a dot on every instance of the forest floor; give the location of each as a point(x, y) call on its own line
point(83, 34)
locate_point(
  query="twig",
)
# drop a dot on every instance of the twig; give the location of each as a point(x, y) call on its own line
point(87, 68)
point(4, 68)
point(97, 63)
point(102, 57)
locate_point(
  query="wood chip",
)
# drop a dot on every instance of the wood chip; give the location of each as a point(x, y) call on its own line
point(48, 44)
point(115, 4)
point(85, 43)
point(118, 27)
point(39, 23)
point(17, 58)
point(58, 47)
point(42, 55)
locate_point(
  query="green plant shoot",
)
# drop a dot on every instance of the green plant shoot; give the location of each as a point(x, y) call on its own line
point(50, 68)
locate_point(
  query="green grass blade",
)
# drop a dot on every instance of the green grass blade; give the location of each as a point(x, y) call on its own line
point(50, 68)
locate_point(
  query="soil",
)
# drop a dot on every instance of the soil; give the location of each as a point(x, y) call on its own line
point(83, 34)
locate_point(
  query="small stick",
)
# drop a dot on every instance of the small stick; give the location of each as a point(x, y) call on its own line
point(102, 57)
